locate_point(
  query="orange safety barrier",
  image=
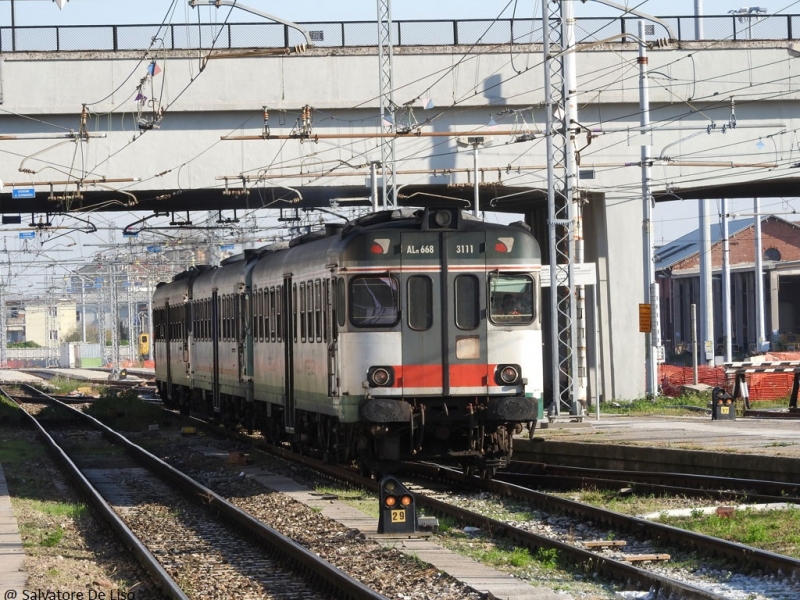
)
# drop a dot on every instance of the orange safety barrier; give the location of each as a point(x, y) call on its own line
point(762, 386)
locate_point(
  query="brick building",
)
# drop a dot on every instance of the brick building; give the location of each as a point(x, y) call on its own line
point(678, 273)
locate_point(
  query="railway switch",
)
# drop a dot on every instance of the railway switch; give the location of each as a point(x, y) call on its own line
point(397, 510)
point(722, 405)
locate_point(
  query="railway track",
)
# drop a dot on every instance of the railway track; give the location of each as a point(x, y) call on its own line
point(440, 502)
point(184, 534)
point(779, 574)
point(537, 475)
point(782, 572)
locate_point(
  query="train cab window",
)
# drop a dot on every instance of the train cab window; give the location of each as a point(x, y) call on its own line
point(419, 301)
point(512, 299)
point(468, 302)
point(373, 301)
point(341, 302)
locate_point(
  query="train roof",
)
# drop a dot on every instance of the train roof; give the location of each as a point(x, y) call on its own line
point(445, 219)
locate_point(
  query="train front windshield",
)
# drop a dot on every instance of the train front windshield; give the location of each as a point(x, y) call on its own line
point(512, 299)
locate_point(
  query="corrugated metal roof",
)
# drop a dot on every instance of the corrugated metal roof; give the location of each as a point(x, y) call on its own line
point(689, 245)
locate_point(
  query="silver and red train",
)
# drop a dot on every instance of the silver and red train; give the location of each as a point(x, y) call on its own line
point(398, 336)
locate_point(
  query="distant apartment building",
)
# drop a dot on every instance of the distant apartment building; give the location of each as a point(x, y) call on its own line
point(46, 322)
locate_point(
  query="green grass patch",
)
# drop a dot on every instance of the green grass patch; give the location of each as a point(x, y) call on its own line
point(629, 504)
point(688, 404)
point(19, 451)
point(52, 538)
point(125, 410)
point(59, 509)
point(774, 530)
point(363, 500)
point(61, 386)
point(9, 412)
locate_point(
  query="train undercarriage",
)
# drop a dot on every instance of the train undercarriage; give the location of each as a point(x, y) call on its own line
point(474, 434)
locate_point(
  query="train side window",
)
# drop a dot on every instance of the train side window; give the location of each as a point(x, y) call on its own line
point(373, 301)
point(310, 310)
point(266, 320)
point(420, 302)
point(303, 312)
point(468, 302)
point(269, 331)
point(318, 309)
point(326, 304)
point(294, 311)
point(341, 302)
point(511, 299)
point(223, 305)
point(278, 313)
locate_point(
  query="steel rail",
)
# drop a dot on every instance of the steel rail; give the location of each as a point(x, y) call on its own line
point(572, 482)
point(168, 585)
point(614, 569)
point(753, 558)
point(316, 567)
point(709, 484)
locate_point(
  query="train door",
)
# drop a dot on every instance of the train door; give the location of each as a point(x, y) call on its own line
point(186, 323)
point(289, 337)
point(242, 327)
point(331, 336)
point(215, 334)
point(444, 322)
point(464, 262)
point(167, 346)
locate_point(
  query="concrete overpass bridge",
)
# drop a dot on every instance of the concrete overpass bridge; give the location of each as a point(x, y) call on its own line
point(179, 127)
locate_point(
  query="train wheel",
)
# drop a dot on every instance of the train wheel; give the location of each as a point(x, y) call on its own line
point(468, 470)
point(488, 472)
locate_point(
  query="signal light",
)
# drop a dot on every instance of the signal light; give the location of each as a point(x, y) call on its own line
point(397, 513)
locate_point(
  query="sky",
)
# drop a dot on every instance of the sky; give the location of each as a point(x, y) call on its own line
point(670, 220)
point(108, 12)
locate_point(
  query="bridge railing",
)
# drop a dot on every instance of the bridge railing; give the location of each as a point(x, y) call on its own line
point(365, 33)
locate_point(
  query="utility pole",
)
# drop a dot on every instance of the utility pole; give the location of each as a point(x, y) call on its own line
point(706, 289)
point(3, 328)
point(114, 321)
point(759, 277)
point(386, 94)
point(567, 303)
point(650, 285)
point(726, 283)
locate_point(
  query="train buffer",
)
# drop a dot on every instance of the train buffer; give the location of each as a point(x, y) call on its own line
point(740, 370)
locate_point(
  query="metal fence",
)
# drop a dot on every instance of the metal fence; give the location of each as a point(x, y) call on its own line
point(365, 33)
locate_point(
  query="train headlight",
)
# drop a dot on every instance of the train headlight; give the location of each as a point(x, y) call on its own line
point(507, 374)
point(443, 218)
point(380, 376)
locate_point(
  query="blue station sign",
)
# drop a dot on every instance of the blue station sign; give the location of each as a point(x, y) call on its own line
point(21, 193)
point(27, 235)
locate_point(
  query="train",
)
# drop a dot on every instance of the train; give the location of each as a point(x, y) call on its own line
point(402, 335)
